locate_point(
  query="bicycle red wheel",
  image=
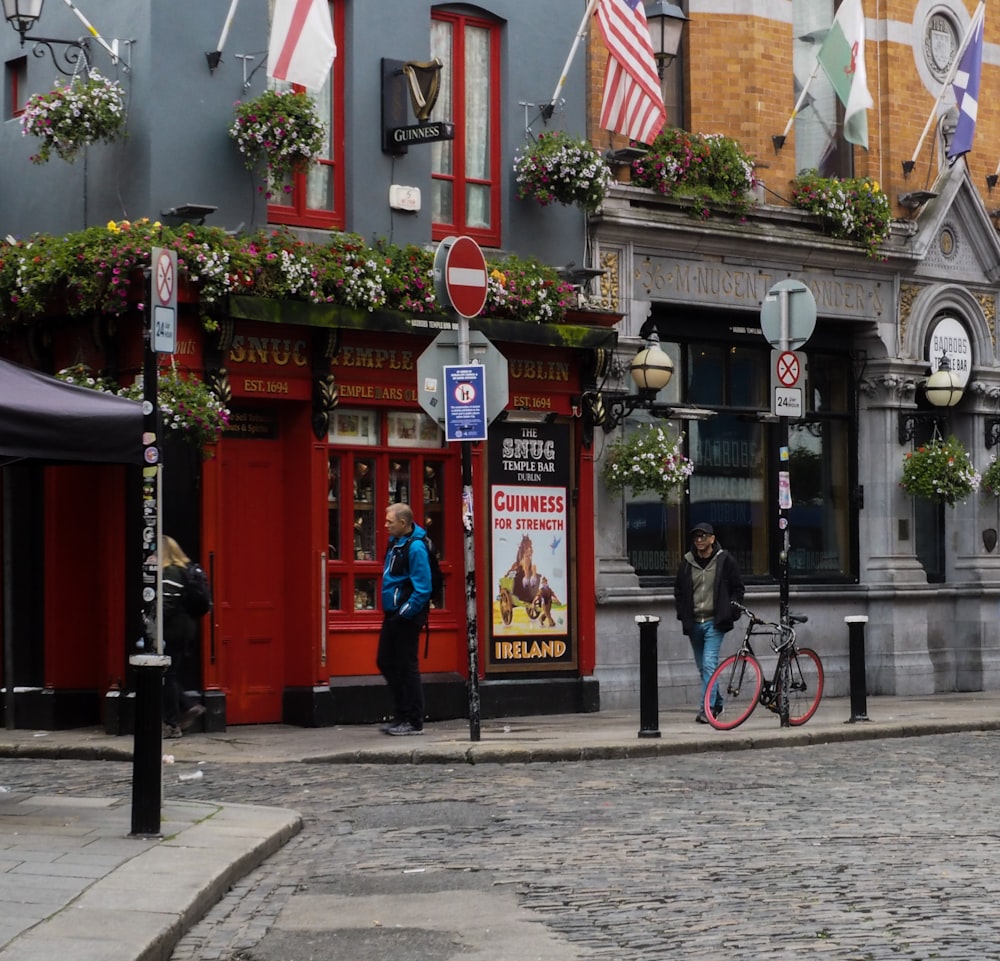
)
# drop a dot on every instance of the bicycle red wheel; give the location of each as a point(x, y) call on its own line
point(740, 679)
point(806, 688)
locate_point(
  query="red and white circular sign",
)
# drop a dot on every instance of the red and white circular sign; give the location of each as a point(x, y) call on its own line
point(164, 275)
point(465, 277)
point(788, 368)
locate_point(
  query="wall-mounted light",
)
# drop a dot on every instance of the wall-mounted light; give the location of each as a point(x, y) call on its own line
point(666, 26)
point(190, 212)
point(650, 370)
point(22, 15)
point(521, 416)
point(943, 389)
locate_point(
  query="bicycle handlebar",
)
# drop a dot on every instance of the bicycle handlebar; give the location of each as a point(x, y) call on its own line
point(793, 619)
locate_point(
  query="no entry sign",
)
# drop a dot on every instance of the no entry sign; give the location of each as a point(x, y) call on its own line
point(461, 271)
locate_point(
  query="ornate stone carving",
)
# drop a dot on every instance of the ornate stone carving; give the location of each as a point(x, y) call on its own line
point(907, 295)
point(610, 282)
point(987, 391)
point(890, 386)
point(988, 305)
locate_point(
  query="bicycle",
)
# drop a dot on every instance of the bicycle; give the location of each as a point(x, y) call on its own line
point(793, 693)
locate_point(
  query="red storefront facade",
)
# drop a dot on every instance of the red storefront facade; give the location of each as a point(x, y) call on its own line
point(287, 516)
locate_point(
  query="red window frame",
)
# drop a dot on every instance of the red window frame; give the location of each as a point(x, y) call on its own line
point(17, 85)
point(295, 212)
point(487, 236)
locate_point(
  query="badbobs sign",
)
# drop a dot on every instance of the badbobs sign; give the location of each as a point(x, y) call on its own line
point(949, 337)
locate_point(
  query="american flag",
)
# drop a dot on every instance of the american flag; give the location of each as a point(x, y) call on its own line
point(633, 100)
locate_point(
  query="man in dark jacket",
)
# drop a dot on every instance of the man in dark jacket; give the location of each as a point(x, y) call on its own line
point(708, 581)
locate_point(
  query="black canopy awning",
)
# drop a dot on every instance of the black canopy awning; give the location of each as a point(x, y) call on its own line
point(43, 418)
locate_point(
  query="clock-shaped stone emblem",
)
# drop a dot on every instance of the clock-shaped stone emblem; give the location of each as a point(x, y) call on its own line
point(941, 39)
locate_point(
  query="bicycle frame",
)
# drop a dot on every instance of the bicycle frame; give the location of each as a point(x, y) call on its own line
point(740, 677)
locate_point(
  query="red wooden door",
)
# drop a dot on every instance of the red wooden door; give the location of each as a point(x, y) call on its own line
point(252, 562)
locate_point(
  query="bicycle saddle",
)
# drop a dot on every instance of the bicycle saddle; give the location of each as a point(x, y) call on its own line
point(794, 619)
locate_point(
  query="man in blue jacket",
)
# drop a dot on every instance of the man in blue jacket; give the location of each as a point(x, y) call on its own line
point(406, 595)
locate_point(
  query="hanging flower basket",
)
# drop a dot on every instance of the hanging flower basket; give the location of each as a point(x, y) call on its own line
point(647, 459)
point(991, 478)
point(939, 471)
point(709, 170)
point(557, 168)
point(855, 208)
point(282, 128)
point(73, 116)
point(188, 408)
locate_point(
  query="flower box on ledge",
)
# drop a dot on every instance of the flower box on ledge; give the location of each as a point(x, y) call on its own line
point(593, 318)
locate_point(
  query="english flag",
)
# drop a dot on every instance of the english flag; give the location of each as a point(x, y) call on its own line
point(633, 100)
point(301, 49)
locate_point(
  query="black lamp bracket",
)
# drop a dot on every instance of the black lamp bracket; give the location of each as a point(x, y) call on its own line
point(911, 420)
point(992, 432)
point(75, 56)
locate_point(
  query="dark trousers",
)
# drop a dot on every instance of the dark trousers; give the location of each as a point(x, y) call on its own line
point(398, 661)
point(175, 701)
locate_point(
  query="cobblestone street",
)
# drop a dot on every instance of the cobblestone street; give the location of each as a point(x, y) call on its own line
point(867, 850)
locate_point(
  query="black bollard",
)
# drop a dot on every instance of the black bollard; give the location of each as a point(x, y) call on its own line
point(147, 760)
point(859, 684)
point(649, 711)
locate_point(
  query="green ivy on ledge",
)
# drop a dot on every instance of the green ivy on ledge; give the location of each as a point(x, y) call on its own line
point(100, 270)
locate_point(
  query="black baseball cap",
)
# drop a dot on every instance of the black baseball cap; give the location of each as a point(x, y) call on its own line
point(704, 528)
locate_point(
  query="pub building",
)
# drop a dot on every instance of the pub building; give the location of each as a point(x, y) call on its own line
point(287, 513)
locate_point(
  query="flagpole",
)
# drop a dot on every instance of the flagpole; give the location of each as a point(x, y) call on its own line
point(976, 17)
point(580, 34)
point(215, 57)
point(801, 100)
point(112, 52)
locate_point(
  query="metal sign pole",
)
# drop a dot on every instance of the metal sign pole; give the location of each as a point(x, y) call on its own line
point(468, 525)
point(147, 768)
point(784, 494)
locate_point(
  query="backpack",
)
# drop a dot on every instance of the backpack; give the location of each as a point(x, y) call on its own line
point(197, 593)
point(437, 579)
point(437, 582)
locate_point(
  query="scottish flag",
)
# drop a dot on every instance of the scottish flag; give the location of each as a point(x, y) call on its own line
point(966, 87)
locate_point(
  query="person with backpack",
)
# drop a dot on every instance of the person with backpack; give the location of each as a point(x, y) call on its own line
point(186, 598)
point(406, 595)
point(708, 581)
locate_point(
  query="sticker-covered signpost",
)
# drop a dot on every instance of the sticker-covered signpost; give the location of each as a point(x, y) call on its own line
point(460, 283)
point(787, 319)
point(160, 336)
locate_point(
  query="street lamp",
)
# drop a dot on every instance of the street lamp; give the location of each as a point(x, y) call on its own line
point(666, 25)
point(944, 387)
point(650, 370)
point(22, 15)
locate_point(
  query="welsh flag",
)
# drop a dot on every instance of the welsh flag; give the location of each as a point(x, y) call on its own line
point(842, 57)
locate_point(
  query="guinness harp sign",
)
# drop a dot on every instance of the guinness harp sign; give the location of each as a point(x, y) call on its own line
point(419, 83)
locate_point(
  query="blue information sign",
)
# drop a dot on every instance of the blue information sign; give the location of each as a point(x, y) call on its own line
point(465, 402)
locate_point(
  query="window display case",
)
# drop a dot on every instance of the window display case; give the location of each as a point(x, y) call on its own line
point(408, 465)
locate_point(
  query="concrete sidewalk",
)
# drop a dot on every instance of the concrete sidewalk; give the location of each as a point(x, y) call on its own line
point(74, 884)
